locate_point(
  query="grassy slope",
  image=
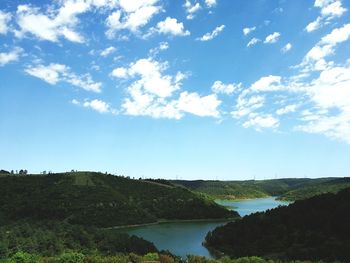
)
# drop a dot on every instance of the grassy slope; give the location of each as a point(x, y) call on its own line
point(317, 229)
point(101, 200)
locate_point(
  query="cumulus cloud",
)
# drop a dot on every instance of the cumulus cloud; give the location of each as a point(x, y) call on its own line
point(150, 77)
point(253, 42)
point(329, 9)
point(315, 58)
point(211, 35)
point(172, 27)
point(320, 87)
point(248, 30)
point(13, 55)
point(131, 15)
point(153, 93)
point(272, 38)
point(54, 73)
point(193, 103)
point(4, 20)
point(52, 24)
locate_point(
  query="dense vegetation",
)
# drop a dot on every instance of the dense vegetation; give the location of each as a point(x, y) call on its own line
point(288, 189)
point(312, 229)
point(76, 257)
point(49, 238)
point(316, 188)
point(101, 200)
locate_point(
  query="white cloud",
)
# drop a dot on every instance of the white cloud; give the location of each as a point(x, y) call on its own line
point(97, 105)
point(108, 51)
point(320, 87)
point(54, 24)
point(272, 38)
point(54, 73)
point(334, 9)
point(172, 27)
point(4, 20)
point(191, 9)
point(8, 57)
point(120, 73)
point(286, 48)
point(315, 58)
point(152, 93)
point(210, 3)
point(337, 36)
point(261, 121)
point(248, 30)
point(330, 9)
point(269, 83)
point(314, 25)
point(246, 106)
point(287, 109)
point(253, 42)
point(206, 106)
point(132, 15)
point(213, 34)
point(219, 87)
point(161, 47)
point(150, 77)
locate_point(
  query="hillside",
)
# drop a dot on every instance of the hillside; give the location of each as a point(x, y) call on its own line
point(313, 229)
point(97, 199)
point(289, 189)
point(316, 188)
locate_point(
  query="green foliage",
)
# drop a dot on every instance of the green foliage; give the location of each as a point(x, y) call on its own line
point(317, 188)
point(311, 229)
point(71, 257)
point(23, 257)
point(53, 238)
point(102, 200)
point(288, 189)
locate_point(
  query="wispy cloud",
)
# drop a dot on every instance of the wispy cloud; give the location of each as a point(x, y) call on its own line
point(213, 34)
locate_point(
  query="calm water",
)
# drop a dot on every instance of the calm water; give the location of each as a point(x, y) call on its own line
point(246, 207)
point(184, 238)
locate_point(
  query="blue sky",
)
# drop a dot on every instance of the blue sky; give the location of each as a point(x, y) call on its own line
point(210, 89)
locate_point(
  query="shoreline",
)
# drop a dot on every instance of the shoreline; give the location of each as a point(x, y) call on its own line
point(174, 221)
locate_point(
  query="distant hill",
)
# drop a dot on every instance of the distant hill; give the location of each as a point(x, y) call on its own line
point(288, 189)
point(313, 229)
point(102, 200)
point(316, 188)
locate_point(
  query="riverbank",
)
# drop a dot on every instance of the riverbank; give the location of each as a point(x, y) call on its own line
point(165, 221)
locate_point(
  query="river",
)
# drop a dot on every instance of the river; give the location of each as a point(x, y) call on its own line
point(184, 238)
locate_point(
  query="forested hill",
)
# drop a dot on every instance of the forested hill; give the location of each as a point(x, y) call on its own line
point(313, 229)
point(288, 189)
point(102, 200)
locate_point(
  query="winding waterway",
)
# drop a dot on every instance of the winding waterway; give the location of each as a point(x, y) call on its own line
point(184, 238)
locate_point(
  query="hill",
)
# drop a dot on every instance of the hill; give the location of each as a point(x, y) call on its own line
point(289, 189)
point(102, 200)
point(313, 229)
point(316, 188)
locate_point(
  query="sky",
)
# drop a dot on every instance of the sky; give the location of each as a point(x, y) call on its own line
point(187, 89)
